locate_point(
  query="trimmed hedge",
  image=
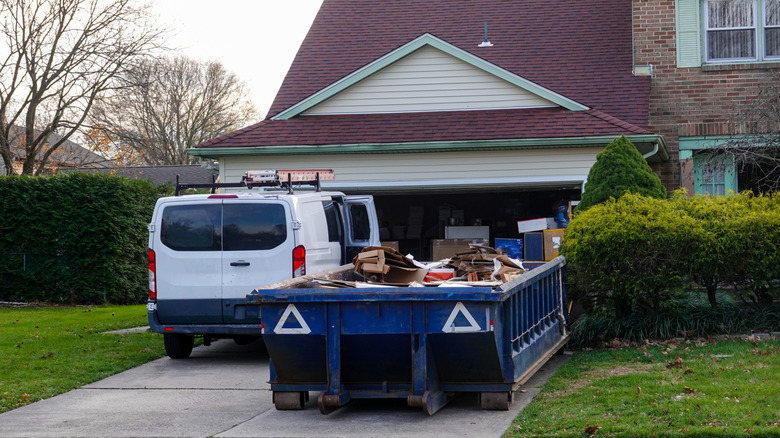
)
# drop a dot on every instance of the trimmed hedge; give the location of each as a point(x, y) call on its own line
point(638, 252)
point(75, 238)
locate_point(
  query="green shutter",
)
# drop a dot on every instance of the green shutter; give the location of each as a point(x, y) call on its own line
point(688, 33)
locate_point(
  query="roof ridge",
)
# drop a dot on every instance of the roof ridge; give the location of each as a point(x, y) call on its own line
point(616, 122)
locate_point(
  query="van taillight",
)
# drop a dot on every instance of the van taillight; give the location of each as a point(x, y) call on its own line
point(299, 261)
point(152, 276)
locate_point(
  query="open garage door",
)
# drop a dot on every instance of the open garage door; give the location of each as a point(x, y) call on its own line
point(430, 224)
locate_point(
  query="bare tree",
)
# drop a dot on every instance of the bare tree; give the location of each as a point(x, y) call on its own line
point(58, 57)
point(171, 104)
point(756, 151)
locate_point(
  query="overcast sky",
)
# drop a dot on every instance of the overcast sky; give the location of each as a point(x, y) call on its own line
point(256, 39)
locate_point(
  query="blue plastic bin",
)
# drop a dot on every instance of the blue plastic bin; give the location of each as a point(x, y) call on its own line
point(511, 247)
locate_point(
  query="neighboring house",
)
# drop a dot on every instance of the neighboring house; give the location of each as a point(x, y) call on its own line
point(708, 59)
point(69, 154)
point(157, 175)
point(404, 100)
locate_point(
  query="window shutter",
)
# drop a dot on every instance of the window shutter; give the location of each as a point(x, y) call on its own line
point(688, 33)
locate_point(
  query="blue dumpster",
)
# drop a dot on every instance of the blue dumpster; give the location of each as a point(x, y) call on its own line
point(422, 344)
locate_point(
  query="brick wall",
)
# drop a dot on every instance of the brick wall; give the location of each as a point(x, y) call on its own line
point(688, 101)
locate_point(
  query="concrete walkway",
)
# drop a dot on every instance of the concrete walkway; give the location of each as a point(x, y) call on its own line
point(222, 391)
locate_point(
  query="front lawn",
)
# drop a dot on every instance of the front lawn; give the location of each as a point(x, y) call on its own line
point(697, 389)
point(45, 351)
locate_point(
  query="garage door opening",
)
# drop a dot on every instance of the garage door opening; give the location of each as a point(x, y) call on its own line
point(413, 221)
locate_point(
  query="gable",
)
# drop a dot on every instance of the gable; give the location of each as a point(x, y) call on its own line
point(425, 41)
point(429, 79)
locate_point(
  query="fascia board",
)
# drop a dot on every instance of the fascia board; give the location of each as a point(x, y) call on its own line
point(422, 147)
point(407, 49)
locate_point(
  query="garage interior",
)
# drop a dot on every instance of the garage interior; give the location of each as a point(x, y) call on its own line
point(413, 220)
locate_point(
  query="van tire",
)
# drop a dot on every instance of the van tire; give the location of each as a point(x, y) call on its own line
point(178, 346)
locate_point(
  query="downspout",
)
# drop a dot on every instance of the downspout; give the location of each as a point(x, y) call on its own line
point(651, 153)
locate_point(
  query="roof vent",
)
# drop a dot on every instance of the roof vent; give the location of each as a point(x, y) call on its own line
point(486, 42)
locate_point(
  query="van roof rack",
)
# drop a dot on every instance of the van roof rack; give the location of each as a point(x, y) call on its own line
point(283, 178)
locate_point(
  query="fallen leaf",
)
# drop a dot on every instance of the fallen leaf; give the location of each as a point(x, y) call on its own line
point(689, 390)
point(591, 430)
point(639, 390)
point(688, 371)
point(676, 364)
point(25, 395)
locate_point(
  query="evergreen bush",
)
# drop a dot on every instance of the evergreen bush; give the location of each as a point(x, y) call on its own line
point(75, 238)
point(619, 168)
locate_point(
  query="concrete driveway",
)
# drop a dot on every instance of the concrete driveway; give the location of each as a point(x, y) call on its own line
point(222, 391)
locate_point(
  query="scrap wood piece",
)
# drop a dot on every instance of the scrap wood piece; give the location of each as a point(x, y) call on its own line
point(485, 263)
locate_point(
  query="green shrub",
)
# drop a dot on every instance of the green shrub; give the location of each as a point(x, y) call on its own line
point(637, 252)
point(74, 238)
point(619, 168)
point(627, 252)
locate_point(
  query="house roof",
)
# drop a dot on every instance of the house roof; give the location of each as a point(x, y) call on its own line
point(68, 154)
point(537, 123)
point(157, 175)
point(579, 50)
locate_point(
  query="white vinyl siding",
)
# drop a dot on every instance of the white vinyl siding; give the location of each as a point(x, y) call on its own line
point(429, 80)
point(420, 171)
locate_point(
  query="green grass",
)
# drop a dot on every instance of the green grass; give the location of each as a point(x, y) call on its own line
point(706, 389)
point(45, 351)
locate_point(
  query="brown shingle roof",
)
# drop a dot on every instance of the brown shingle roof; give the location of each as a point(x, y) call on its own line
point(580, 49)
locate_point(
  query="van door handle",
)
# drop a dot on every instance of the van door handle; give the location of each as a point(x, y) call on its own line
point(239, 263)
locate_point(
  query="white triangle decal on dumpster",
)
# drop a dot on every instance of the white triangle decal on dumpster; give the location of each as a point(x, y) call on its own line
point(449, 326)
point(281, 330)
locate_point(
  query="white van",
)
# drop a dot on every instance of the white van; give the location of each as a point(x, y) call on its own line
point(207, 252)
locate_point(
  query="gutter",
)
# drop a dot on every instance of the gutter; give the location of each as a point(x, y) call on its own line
point(421, 147)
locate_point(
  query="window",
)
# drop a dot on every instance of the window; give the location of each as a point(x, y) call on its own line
point(239, 227)
point(249, 227)
point(714, 175)
point(192, 227)
point(332, 217)
point(361, 226)
point(741, 30)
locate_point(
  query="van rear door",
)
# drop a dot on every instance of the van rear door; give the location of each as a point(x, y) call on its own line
point(258, 242)
point(188, 253)
point(361, 225)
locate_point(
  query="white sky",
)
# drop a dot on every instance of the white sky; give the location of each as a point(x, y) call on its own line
point(256, 39)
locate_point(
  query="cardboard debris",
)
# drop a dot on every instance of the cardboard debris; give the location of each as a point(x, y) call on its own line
point(479, 265)
point(385, 265)
point(483, 263)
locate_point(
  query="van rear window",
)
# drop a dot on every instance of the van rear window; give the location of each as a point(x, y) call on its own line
point(253, 226)
point(361, 226)
point(192, 227)
point(229, 227)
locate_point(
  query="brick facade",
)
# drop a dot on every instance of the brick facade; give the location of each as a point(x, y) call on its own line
point(686, 102)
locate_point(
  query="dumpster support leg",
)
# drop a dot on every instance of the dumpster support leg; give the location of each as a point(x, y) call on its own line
point(425, 384)
point(333, 397)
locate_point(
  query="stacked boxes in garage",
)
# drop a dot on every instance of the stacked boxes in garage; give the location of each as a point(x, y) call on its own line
point(541, 240)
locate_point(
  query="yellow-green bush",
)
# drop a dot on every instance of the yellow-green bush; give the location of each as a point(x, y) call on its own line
point(638, 252)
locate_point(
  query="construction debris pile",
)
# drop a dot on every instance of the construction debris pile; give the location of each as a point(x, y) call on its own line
point(479, 266)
